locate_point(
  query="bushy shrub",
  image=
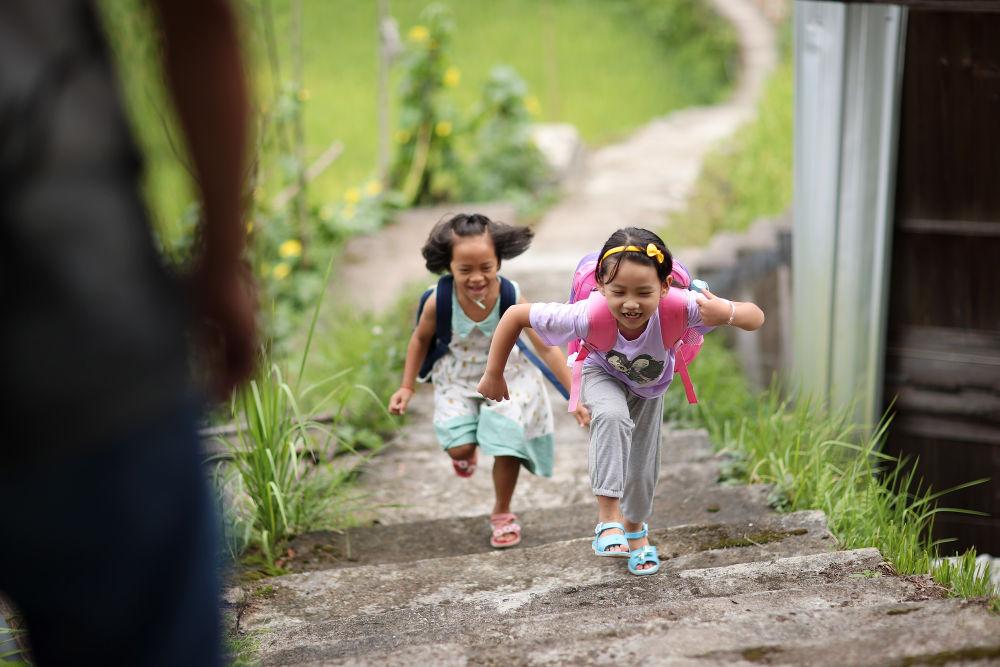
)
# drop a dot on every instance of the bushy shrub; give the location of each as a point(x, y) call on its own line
point(505, 161)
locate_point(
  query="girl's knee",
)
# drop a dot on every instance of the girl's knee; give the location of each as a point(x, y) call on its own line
point(461, 452)
point(611, 415)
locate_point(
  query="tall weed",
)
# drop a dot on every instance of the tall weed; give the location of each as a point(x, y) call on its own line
point(283, 483)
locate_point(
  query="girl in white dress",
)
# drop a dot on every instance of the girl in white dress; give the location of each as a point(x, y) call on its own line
point(515, 432)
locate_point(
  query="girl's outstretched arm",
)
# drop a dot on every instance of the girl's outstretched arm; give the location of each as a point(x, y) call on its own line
point(716, 311)
point(416, 351)
point(493, 385)
point(555, 359)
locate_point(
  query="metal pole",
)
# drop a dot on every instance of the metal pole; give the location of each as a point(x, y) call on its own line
point(383, 91)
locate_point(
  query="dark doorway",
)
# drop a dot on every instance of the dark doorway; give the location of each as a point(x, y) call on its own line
point(943, 348)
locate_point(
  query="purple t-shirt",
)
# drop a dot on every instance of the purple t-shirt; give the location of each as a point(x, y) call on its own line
point(642, 364)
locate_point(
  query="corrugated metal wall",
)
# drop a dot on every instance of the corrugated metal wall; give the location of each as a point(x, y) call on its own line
point(848, 63)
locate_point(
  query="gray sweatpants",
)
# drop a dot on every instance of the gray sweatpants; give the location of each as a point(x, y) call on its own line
point(624, 442)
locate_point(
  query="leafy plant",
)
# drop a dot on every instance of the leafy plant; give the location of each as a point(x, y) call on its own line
point(425, 168)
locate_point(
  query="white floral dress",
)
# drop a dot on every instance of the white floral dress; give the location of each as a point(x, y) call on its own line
point(521, 427)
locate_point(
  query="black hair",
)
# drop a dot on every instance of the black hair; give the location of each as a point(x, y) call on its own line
point(637, 236)
point(508, 240)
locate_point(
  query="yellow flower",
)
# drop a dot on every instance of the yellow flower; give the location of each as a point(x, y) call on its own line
point(348, 212)
point(532, 105)
point(402, 136)
point(250, 227)
point(452, 76)
point(281, 271)
point(304, 95)
point(443, 128)
point(352, 196)
point(290, 248)
point(419, 34)
point(373, 188)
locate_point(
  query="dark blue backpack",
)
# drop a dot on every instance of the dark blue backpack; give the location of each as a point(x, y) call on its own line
point(442, 329)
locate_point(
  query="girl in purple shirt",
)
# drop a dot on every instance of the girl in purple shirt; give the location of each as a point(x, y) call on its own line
point(623, 388)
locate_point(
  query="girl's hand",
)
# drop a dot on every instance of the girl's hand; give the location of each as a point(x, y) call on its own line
point(399, 400)
point(714, 311)
point(582, 415)
point(493, 387)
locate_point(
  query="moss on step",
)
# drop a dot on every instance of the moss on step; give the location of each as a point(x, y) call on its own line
point(760, 653)
point(754, 539)
point(969, 654)
point(903, 611)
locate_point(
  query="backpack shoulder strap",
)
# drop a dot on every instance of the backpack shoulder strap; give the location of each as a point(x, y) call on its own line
point(673, 316)
point(602, 330)
point(508, 295)
point(673, 324)
point(423, 302)
point(442, 313)
point(442, 324)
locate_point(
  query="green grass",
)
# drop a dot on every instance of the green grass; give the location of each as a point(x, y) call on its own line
point(818, 459)
point(598, 65)
point(749, 176)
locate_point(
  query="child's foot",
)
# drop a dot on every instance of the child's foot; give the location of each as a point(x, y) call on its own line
point(465, 467)
point(605, 542)
point(637, 540)
point(506, 530)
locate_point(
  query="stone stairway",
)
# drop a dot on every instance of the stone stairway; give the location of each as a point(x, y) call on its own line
point(740, 584)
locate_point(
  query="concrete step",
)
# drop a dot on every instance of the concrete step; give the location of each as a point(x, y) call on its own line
point(301, 611)
point(684, 496)
point(842, 624)
point(412, 479)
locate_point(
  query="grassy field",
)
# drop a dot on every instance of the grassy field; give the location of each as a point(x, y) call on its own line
point(598, 64)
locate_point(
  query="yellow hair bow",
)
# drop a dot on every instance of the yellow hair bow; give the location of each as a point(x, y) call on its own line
point(651, 251)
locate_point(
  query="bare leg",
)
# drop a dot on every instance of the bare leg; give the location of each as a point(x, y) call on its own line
point(462, 452)
point(505, 472)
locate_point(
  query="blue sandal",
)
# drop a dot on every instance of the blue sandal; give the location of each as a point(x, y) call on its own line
point(601, 544)
point(642, 555)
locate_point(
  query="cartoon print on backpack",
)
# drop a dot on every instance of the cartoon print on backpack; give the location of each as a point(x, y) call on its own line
point(642, 369)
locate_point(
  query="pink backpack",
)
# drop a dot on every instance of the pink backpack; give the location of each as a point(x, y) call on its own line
point(602, 330)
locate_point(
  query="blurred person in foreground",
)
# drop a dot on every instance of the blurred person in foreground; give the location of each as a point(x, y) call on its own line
point(108, 535)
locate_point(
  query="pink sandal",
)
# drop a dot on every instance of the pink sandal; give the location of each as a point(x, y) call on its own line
point(504, 524)
point(465, 467)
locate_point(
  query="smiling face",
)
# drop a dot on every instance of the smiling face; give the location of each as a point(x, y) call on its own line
point(474, 264)
point(633, 295)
